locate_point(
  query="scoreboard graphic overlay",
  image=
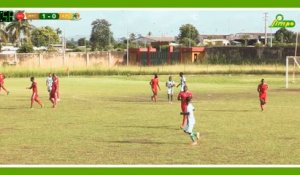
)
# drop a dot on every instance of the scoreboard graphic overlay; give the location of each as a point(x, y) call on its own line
point(10, 16)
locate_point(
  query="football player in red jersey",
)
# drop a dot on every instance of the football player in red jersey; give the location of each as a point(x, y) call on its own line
point(34, 96)
point(57, 87)
point(154, 87)
point(182, 96)
point(2, 77)
point(262, 91)
point(53, 92)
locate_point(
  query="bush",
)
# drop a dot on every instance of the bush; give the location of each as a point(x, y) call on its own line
point(76, 50)
point(26, 48)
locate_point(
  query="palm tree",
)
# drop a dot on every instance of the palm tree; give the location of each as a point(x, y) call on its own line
point(16, 28)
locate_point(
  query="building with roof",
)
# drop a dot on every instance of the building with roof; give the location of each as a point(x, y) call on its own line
point(145, 41)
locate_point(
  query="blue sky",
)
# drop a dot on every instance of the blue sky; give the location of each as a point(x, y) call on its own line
point(166, 22)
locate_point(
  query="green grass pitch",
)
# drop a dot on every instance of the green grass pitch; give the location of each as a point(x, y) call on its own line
point(111, 120)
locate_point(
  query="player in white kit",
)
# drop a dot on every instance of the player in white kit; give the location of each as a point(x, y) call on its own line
point(49, 82)
point(182, 81)
point(170, 84)
point(190, 122)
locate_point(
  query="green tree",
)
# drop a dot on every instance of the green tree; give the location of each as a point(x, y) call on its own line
point(26, 48)
point(58, 31)
point(71, 45)
point(188, 42)
point(101, 36)
point(82, 42)
point(44, 36)
point(16, 28)
point(285, 36)
point(132, 37)
point(188, 33)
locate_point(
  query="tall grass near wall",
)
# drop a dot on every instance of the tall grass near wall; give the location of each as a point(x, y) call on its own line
point(146, 70)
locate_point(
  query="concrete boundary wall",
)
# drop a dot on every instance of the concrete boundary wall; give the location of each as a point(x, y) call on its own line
point(69, 59)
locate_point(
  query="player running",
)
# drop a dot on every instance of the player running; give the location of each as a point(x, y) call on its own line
point(190, 122)
point(262, 90)
point(34, 96)
point(53, 92)
point(154, 87)
point(2, 77)
point(182, 81)
point(182, 96)
point(170, 84)
point(49, 82)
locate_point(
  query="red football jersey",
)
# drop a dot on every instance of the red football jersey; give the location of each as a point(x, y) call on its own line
point(54, 86)
point(2, 77)
point(262, 88)
point(154, 83)
point(57, 81)
point(34, 87)
point(183, 95)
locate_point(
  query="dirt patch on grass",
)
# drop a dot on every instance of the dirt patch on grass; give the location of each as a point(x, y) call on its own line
point(287, 138)
point(144, 141)
point(2, 130)
point(149, 127)
point(226, 96)
point(285, 90)
point(139, 99)
point(196, 97)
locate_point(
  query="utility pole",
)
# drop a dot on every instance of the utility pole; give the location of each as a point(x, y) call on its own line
point(109, 40)
point(271, 45)
point(266, 36)
point(85, 45)
point(64, 48)
point(190, 36)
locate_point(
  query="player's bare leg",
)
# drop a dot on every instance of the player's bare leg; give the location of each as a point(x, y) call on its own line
point(58, 95)
point(39, 102)
point(31, 104)
point(262, 103)
point(184, 122)
point(154, 96)
point(2, 87)
point(53, 100)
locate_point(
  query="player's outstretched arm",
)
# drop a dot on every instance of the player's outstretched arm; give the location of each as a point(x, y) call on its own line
point(178, 97)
